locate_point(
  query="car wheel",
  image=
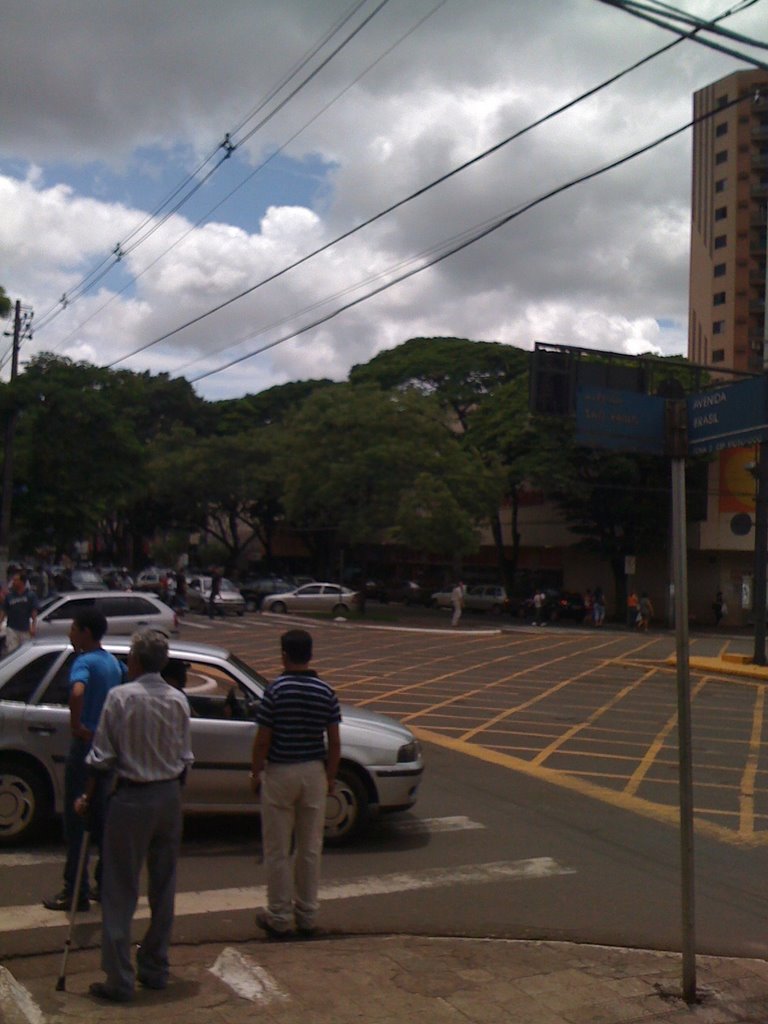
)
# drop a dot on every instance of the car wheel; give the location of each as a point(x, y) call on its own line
point(241, 613)
point(24, 803)
point(340, 609)
point(347, 811)
point(496, 609)
point(278, 608)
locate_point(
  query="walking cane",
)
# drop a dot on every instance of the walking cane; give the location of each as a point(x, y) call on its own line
point(61, 984)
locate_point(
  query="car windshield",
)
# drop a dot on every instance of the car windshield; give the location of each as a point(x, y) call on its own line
point(247, 670)
point(228, 585)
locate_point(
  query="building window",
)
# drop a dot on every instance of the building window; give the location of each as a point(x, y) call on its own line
point(721, 129)
point(718, 326)
point(718, 355)
point(720, 185)
point(719, 270)
point(718, 299)
point(721, 213)
point(721, 157)
point(721, 241)
point(722, 100)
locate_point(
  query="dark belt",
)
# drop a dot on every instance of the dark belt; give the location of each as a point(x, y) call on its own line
point(132, 783)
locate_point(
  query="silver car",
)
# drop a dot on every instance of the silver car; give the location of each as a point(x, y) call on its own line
point(125, 611)
point(228, 602)
point(381, 762)
point(313, 597)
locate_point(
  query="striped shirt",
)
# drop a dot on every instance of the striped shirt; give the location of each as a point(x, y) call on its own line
point(143, 733)
point(298, 707)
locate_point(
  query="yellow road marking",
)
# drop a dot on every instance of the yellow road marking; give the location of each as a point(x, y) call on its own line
point(747, 794)
point(633, 804)
point(570, 733)
point(653, 751)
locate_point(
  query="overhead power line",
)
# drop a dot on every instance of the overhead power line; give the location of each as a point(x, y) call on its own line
point(472, 239)
point(637, 11)
point(192, 182)
point(426, 188)
point(244, 181)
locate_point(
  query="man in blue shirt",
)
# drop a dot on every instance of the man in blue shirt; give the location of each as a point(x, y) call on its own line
point(93, 674)
point(19, 611)
point(297, 713)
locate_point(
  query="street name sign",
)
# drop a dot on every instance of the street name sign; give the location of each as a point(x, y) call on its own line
point(728, 417)
point(622, 421)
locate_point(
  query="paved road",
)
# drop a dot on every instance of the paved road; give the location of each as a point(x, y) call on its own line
point(545, 810)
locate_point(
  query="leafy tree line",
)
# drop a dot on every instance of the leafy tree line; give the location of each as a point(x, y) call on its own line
point(419, 446)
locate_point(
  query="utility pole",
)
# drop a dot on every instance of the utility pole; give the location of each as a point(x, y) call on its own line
point(10, 432)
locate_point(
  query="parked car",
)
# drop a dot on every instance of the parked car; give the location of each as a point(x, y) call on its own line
point(381, 761)
point(229, 600)
point(125, 611)
point(442, 598)
point(486, 597)
point(255, 588)
point(313, 597)
point(68, 580)
point(149, 579)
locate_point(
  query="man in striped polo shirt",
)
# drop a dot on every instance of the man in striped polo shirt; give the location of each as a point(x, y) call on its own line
point(297, 714)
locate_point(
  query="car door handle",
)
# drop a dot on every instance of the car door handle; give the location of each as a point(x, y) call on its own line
point(44, 730)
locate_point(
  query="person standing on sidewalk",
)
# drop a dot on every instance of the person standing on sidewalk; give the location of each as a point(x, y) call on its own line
point(19, 612)
point(215, 591)
point(144, 738)
point(457, 602)
point(294, 773)
point(93, 674)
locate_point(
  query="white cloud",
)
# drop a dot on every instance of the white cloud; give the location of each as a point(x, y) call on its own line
point(112, 88)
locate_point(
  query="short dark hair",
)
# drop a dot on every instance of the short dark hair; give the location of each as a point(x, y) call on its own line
point(93, 620)
point(296, 644)
point(175, 673)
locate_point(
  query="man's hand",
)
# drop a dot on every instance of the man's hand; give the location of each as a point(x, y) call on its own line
point(256, 783)
point(331, 785)
point(82, 805)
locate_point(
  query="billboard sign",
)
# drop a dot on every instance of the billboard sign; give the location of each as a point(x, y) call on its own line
point(623, 421)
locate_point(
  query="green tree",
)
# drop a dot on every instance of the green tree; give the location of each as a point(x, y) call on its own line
point(353, 456)
point(458, 372)
point(5, 304)
point(77, 457)
point(230, 487)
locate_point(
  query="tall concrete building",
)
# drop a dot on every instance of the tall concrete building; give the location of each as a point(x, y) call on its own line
point(726, 325)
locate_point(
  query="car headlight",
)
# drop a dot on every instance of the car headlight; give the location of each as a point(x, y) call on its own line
point(409, 752)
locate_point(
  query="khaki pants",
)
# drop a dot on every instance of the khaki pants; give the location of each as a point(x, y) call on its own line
point(15, 638)
point(293, 802)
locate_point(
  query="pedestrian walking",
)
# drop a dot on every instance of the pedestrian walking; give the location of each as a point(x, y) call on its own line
point(294, 773)
point(539, 601)
point(646, 612)
point(598, 606)
point(143, 738)
point(457, 603)
point(19, 612)
point(718, 607)
point(633, 605)
point(93, 674)
point(215, 591)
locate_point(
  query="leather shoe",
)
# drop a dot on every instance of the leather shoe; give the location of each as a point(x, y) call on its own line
point(63, 901)
point(264, 923)
point(102, 991)
point(154, 983)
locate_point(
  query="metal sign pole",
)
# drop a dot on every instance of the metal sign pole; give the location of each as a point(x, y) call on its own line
point(680, 580)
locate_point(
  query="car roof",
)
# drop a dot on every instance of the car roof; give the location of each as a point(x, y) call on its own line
point(121, 644)
point(78, 595)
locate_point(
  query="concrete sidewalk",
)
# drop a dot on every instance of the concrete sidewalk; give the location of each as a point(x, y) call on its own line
point(396, 979)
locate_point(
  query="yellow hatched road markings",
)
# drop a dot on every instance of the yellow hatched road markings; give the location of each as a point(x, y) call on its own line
point(747, 796)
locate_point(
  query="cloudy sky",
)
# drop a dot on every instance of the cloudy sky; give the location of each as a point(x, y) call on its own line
point(113, 116)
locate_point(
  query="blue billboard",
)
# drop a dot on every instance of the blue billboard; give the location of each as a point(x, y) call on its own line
point(623, 421)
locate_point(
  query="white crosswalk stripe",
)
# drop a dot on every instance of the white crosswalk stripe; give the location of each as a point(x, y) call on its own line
point(215, 901)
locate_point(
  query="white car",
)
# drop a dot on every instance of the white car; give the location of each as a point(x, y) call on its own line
point(381, 762)
point(125, 610)
point(313, 597)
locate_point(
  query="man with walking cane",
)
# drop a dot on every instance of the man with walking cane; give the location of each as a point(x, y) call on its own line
point(143, 737)
point(93, 674)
